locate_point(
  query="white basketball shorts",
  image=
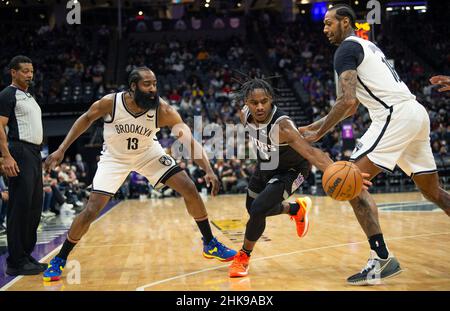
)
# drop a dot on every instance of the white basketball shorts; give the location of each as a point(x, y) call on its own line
point(402, 139)
point(112, 171)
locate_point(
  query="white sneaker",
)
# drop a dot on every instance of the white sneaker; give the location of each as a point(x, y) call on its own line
point(375, 270)
point(48, 214)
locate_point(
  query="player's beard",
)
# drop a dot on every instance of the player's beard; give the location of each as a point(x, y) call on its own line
point(146, 100)
point(338, 35)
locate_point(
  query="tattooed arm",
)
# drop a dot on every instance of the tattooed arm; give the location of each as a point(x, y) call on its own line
point(346, 105)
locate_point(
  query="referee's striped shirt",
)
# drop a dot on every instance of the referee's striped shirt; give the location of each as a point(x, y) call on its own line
point(24, 113)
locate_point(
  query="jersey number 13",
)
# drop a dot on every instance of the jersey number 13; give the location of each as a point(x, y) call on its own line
point(132, 143)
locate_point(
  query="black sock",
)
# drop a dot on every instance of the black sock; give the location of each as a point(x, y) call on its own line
point(66, 249)
point(205, 229)
point(293, 209)
point(248, 252)
point(377, 244)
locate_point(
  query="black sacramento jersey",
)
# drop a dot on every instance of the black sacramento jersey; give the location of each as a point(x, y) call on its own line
point(267, 148)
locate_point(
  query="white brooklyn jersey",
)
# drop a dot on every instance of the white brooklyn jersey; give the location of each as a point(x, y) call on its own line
point(379, 87)
point(125, 134)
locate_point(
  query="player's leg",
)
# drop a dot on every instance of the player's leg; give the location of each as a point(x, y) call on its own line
point(79, 227)
point(259, 206)
point(429, 185)
point(379, 149)
point(108, 178)
point(81, 223)
point(381, 263)
point(418, 162)
point(268, 202)
point(181, 183)
point(364, 206)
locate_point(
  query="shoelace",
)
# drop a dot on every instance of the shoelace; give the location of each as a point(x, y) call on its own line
point(220, 247)
point(55, 264)
point(238, 261)
point(370, 265)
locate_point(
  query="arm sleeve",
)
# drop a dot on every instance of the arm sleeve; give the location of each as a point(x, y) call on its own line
point(7, 102)
point(348, 56)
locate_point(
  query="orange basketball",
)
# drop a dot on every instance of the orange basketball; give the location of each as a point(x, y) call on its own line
point(342, 181)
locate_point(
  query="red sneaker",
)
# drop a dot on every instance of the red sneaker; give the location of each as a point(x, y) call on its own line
point(239, 267)
point(301, 219)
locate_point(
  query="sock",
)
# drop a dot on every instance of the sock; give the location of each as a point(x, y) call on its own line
point(377, 244)
point(248, 252)
point(205, 229)
point(293, 209)
point(66, 249)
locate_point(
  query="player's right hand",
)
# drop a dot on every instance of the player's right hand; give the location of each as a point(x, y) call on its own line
point(10, 167)
point(366, 182)
point(211, 179)
point(441, 80)
point(53, 160)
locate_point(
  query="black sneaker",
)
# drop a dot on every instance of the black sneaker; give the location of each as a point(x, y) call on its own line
point(28, 268)
point(42, 265)
point(376, 270)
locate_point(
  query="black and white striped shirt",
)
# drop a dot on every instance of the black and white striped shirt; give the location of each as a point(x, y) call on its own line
point(24, 113)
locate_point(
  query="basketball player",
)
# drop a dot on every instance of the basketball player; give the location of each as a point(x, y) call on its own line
point(275, 137)
point(398, 135)
point(132, 119)
point(444, 81)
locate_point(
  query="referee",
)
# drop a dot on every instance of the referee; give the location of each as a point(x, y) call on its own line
point(22, 163)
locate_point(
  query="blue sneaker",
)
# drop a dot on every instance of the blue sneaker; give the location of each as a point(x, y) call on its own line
point(217, 250)
point(54, 270)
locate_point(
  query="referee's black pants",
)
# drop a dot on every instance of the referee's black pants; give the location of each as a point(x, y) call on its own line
point(25, 203)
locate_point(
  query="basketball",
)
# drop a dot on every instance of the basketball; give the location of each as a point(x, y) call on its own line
point(342, 181)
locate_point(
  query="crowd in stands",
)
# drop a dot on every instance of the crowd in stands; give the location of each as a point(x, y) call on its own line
point(65, 70)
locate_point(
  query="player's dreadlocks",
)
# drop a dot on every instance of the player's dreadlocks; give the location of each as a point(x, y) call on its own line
point(251, 84)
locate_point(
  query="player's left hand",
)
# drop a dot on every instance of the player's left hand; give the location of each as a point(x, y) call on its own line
point(211, 178)
point(366, 182)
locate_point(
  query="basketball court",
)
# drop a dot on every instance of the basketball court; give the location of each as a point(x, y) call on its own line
point(154, 245)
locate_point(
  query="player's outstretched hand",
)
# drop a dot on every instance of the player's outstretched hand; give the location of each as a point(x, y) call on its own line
point(53, 160)
point(211, 178)
point(441, 80)
point(366, 182)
